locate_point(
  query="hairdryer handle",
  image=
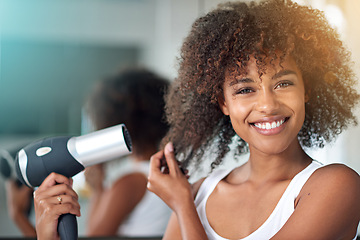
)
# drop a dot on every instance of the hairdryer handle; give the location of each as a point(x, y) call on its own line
point(67, 227)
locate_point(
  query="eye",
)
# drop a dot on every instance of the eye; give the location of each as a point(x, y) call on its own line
point(244, 91)
point(284, 84)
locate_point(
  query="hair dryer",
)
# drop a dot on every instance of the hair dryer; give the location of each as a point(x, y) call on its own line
point(69, 156)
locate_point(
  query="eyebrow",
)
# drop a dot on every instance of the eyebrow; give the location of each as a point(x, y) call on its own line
point(242, 80)
point(249, 80)
point(283, 73)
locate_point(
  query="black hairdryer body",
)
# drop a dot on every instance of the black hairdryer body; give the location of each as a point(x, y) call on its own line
point(69, 156)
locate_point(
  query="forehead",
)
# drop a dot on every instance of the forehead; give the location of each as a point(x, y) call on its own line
point(255, 67)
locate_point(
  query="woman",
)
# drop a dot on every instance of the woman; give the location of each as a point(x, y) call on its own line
point(275, 74)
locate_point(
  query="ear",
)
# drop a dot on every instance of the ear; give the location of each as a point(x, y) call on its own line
point(222, 105)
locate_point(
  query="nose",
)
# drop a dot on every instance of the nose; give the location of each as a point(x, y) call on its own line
point(267, 101)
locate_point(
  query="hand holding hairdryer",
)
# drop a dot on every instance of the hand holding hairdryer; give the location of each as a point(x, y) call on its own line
point(69, 156)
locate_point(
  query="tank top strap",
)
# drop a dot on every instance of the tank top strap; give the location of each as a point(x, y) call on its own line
point(301, 178)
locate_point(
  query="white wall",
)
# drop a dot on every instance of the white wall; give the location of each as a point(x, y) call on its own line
point(352, 38)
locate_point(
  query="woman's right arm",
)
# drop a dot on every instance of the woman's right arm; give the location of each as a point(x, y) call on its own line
point(174, 189)
point(52, 199)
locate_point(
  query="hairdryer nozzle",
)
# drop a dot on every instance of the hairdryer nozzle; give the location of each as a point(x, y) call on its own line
point(100, 146)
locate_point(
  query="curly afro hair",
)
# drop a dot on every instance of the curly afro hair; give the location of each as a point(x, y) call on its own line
point(224, 40)
point(134, 97)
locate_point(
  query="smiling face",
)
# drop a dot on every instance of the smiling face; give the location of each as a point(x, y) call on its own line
point(266, 112)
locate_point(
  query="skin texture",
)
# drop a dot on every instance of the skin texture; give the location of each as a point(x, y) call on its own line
point(275, 158)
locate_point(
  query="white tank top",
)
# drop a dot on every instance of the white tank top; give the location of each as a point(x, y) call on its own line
point(281, 213)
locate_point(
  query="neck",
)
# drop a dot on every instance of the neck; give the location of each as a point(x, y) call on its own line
point(279, 166)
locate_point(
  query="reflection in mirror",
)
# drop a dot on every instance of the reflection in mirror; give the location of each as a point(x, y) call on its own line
point(51, 55)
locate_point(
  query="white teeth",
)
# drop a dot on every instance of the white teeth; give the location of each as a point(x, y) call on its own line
point(269, 125)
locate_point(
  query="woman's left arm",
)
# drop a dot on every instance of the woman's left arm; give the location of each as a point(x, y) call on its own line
point(328, 206)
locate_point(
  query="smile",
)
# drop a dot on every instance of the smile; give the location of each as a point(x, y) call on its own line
point(269, 125)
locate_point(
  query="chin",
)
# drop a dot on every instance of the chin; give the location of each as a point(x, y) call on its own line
point(272, 149)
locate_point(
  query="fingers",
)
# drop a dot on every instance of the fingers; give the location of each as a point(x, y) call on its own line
point(55, 190)
point(60, 189)
point(155, 162)
point(170, 185)
point(170, 158)
point(164, 162)
point(55, 178)
point(55, 196)
point(56, 184)
point(57, 205)
point(61, 199)
point(71, 204)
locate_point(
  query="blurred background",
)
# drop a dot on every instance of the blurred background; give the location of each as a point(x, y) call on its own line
point(51, 53)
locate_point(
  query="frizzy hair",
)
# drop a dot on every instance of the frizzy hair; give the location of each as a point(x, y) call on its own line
point(225, 39)
point(134, 97)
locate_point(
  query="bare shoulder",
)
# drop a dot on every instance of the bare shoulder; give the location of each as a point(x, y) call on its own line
point(338, 168)
point(327, 206)
point(336, 175)
point(134, 184)
point(337, 182)
point(132, 179)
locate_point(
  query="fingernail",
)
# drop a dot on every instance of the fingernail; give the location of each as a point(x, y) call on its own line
point(170, 147)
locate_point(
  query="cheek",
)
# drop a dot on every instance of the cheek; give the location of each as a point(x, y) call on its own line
point(238, 112)
point(299, 108)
